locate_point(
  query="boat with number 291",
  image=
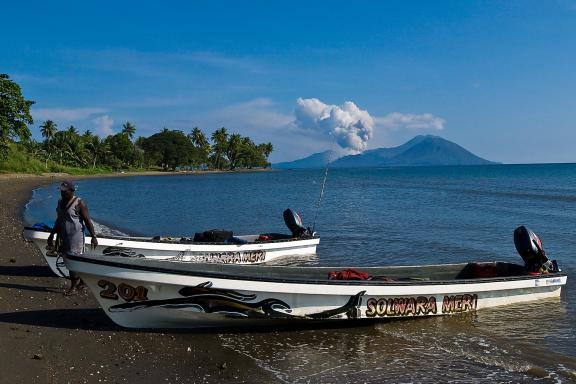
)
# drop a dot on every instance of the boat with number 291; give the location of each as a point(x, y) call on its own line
point(144, 293)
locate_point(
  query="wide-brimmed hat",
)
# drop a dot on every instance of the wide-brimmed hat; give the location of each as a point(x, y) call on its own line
point(68, 185)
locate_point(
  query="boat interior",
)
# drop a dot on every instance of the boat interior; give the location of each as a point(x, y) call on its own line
point(231, 239)
point(421, 274)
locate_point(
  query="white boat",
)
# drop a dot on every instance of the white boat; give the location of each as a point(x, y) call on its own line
point(226, 249)
point(139, 293)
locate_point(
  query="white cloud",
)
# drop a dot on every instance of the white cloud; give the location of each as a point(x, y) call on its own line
point(351, 126)
point(257, 113)
point(103, 125)
point(397, 120)
point(159, 64)
point(33, 79)
point(157, 102)
point(60, 115)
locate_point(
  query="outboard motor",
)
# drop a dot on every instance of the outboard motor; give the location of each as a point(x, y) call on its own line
point(529, 246)
point(295, 224)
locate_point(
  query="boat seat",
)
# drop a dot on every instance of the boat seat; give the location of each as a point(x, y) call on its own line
point(273, 236)
point(489, 270)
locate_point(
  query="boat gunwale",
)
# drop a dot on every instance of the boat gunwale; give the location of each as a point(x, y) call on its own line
point(151, 240)
point(255, 277)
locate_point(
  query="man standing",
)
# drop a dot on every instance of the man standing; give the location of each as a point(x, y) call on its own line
point(72, 218)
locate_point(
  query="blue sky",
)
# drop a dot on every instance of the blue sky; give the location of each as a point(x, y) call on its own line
point(497, 77)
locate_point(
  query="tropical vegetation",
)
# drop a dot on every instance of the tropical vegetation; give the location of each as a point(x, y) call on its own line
point(68, 149)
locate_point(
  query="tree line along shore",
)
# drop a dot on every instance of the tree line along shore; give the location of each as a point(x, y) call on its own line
point(70, 151)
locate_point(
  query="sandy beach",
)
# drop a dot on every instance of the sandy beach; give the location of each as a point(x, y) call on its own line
point(47, 337)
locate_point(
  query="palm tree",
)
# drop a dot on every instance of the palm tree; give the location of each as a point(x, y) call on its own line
point(98, 149)
point(128, 129)
point(198, 137)
point(78, 154)
point(267, 149)
point(220, 139)
point(72, 130)
point(200, 141)
point(233, 150)
point(58, 144)
point(246, 156)
point(48, 129)
point(263, 151)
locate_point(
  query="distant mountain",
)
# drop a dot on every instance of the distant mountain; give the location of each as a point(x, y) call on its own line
point(317, 160)
point(376, 157)
point(421, 150)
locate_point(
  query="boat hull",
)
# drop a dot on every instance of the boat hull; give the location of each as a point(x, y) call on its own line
point(160, 295)
point(252, 252)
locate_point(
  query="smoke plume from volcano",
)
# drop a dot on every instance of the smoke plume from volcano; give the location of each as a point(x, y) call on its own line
point(351, 126)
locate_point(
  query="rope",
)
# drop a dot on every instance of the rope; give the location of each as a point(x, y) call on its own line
point(323, 183)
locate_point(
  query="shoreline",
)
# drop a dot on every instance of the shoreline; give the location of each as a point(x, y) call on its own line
point(12, 175)
point(51, 338)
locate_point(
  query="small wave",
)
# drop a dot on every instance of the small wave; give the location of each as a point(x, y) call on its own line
point(39, 197)
point(34, 193)
point(568, 198)
point(107, 231)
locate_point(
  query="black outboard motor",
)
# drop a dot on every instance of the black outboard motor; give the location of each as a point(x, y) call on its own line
point(529, 246)
point(295, 224)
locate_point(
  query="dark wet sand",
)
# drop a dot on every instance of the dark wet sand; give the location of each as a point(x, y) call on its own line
point(46, 337)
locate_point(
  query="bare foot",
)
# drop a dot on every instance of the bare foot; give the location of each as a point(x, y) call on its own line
point(74, 290)
point(71, 291)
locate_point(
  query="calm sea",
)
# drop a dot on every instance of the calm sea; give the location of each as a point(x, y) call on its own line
point(413, 215)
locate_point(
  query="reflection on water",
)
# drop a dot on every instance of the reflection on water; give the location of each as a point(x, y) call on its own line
point(498, 345)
